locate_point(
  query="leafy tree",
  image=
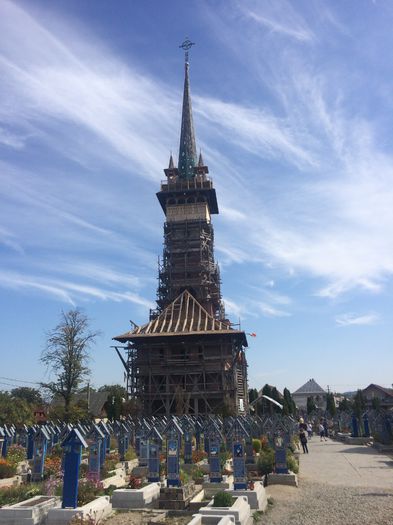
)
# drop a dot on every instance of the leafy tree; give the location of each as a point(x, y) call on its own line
point(67, 355)
point(117, 396)
point(311, 406)
point(15, 411)
point(289, 403)
point(252, 394)
point(345, 405)
point(330, 404)
point(28, 394)
point(114, 390)
point(359, 404)
point(76, 412)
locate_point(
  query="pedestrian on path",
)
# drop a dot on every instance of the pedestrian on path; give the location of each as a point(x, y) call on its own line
point(309, 430)
point(322, 431)
point(303, 441)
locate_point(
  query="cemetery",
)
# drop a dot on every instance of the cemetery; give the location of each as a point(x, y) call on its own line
point(173, 464)
point(207, 470)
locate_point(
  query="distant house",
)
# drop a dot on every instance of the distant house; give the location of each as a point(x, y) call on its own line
point(40, 414)
point(310, 389)
point(385, 396)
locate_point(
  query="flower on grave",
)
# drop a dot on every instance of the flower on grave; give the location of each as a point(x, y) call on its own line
point(135, 483)
point(16, 454)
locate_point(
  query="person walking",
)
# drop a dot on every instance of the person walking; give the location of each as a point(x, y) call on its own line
point(303, 441)
point(309, 430)
point(322, 431)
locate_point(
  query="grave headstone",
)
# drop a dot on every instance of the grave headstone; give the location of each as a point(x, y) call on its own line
point(215, 440)
point(154, 440)
point(72, 447)
point(280, 452)
point(173, 434)
point(94, 440)
point(238, 434)
point(41, 439)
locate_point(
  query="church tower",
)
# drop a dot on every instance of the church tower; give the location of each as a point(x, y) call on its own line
point(187, 359)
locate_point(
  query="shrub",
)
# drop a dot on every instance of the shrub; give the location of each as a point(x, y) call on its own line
point(224, 456)
point(265, 463)
point(130, 454)
point(256, 445)
point(196, 474)
point(7, 469)
point(16, 453)
point(12, 495)
point(89, 490)
point(292, 463)
point(223, 499)
point(184, 477)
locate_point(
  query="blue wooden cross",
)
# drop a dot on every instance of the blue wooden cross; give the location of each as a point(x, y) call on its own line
point(94, 440)
point(2, 437)
point(122, 440)
point(173, 434)
point(366, 425)
point(215, 440)
point(7, 441)
point(280, 452)
point(355, 426)
point(41, 439)
point(30, 442)
point(238, 434)
point(154, 440)
point(72, 446)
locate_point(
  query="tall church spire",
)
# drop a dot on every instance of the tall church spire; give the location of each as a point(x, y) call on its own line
point(187, 149)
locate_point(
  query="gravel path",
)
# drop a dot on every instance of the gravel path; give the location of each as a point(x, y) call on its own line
point(321, 504)
point(143, 518)
point(338, 485)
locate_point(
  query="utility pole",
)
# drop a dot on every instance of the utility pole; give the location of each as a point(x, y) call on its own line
point(88, 396)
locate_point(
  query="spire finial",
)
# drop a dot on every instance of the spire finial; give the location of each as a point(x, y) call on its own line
point(186, 46)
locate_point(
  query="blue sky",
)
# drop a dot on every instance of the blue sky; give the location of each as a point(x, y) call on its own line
point(293, 112)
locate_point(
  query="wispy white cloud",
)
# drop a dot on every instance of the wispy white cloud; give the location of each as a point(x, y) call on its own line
point(279, 17)
point(50, 81)
point(11, 139)
point(255, 130)
point(250, 308)
point(350, 319)
point(332, 218)
point(9, 240)
point(70, 292)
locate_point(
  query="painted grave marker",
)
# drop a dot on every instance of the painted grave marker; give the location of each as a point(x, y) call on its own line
point(72, 447)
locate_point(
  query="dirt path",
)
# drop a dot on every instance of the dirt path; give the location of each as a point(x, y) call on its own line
point(338, 485)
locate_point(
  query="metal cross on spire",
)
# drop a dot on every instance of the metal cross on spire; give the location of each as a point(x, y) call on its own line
point(186, 45)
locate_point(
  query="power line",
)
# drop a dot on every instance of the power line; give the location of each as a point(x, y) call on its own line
point(20, 380)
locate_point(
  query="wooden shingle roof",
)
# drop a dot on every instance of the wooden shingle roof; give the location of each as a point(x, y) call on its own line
point(184, 316)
